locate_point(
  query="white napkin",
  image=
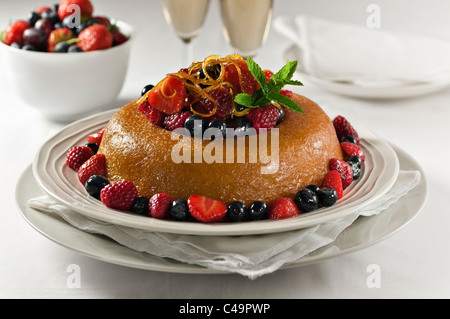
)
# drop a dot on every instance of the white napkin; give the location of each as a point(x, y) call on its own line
point(363, 56)
point(262, 254)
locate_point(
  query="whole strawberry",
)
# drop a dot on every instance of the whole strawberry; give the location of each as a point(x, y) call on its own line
point(95, 37)
point(344, 169)
point(263, 117)
point(344, 128)
point(282, 208)
point(14, 32)
point(77, 155)
point(119, 195)
point(333, 179)
point(159, 205)
point(96, 165)
point(57, 36)
point(66, 8)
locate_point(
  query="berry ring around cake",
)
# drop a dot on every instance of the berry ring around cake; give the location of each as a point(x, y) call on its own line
point(221, 142)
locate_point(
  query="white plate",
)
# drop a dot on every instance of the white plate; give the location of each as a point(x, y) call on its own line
point(380, 172)
point(364, 232)
point(353, 90)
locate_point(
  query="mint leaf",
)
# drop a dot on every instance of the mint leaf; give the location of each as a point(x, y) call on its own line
point(257, 73)
point(244, 99)
point(286, 102)
point(286, 73)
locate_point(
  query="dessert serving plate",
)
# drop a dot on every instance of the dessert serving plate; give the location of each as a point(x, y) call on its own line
point(60, 182)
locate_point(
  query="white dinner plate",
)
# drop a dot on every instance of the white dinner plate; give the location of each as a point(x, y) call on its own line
point(60, 182)
point(353, 90)
point(364, 232)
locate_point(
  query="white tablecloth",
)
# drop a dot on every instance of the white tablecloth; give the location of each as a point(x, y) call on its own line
point(413, 263)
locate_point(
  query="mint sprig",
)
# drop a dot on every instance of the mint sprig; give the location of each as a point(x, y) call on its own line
point(270, 92)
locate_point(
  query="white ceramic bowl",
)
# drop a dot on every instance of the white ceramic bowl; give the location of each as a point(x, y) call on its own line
point(68, 86)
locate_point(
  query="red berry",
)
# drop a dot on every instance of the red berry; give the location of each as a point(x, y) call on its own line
point(245, 83)
point(103, 20)
point(42, 9)
point(96, 137)
point(263, 117)
point(205, 209)
point(282, 208)
point(65, 9)
point(155, 116)
point(333, 179)
point(174, 121)
point(95, 37)
point(352, 149)
point(224, 98)
point(118, 37)
point(77, 155)
point(119, 195)
point(344, 128)
point(344, 169)
point(268, 75)
point(14, 32)
point(159, 205)
point(96, 165)
point(169, 96)
point(286, 93)
point(59, 35)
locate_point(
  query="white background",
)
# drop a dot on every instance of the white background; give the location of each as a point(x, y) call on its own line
point(414, 263)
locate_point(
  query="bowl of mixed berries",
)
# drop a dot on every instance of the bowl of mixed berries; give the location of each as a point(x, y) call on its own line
point(66, 60)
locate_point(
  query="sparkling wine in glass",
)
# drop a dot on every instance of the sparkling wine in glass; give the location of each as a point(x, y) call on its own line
point(187, 18)
point(246, 24)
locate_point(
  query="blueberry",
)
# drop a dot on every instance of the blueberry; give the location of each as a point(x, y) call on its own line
point(93, 147)
point(140, 205)
point(62, 47)
point(327, 196)
point(74, 49)
point(240, 125)
point(51, 15)
point(236, 211)
point(95, 184)
point(29, 47)
point(179, 210)
point(220, 125)
point(146, 88)
point(33, 16)
point(16, 45)
point(280, 116)
point(195, 123)
point(306, 200)
point(348, 138)
point(356, 170)
point(355, 159)
point(258, 210)
point(313, 187)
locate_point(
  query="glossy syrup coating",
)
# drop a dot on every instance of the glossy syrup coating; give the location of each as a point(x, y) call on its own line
point(141, 152)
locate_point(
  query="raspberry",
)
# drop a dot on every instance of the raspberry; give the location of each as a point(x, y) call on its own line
point(263, 117)
point(282, 208)
point(333, 179)
point(155, 116)
point(96, 165)
point(344, 128)
point(224, 98)
point(344, 169)
point(174, 121)
point(159, 205)
point(77, 155)
point(119, 195)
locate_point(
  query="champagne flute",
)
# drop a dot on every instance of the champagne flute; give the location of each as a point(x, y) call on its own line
point(246, 24)
point(187, 18)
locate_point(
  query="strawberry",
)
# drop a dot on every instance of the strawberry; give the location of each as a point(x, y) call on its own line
point(77, 155)
point(246, 83)
point(159, 205)
point(223, 96)
point(66, 8)
point(282, 208)
point(268, 75)
point(333, 179)
point(103, 20)
point(119, 195)
point(286, 93)
point(205, 209)
point(118, 37)
point(344, 128)
point(352, 149)
point(95, 37)
point(174, 121)
point(344, 169)
point(96, 138)
point(42, 9)
point(59, 35)
point(168, 96)
point(14, 32)
point(263, 117)
point(155, 116)
point(96, 165)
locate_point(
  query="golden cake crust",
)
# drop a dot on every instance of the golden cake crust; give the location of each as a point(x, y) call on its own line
point(141, 152)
